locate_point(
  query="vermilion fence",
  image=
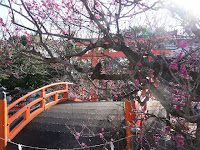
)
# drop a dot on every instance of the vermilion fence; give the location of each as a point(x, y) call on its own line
point(13, 118)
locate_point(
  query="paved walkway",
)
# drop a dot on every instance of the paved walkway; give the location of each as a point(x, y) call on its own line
point(55, 128)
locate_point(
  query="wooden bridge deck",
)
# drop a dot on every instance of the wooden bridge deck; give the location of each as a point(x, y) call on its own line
point(54, 128)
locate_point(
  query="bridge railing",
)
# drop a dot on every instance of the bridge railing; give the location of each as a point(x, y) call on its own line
point(12, 120)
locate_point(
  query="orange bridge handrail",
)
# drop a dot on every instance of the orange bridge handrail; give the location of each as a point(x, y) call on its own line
point(65, 91)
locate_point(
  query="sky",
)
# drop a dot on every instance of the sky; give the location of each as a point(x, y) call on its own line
point(3, 12)
point(191, 5)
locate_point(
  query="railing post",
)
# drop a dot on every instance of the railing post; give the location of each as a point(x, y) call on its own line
point(55, 97)
point(82, 94)
point(42, 95)
point(66, 95)
point(27, 113)
point(3, 119)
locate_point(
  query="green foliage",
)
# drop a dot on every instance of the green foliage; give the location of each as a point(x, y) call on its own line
point(3, 76)
point(16, 70)
point(23, 40)
point(26, 81)
point(140, 32)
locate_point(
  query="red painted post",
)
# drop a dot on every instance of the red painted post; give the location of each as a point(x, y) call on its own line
point(27, 113)
point(82, 94)
point(149, 58)
point(143, 94)
point(130, 115)
point(66, 94)
point(42, 94)
point(55, 97)
point(3, 120)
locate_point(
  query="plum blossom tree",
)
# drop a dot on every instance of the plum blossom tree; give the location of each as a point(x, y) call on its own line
point(174, 81)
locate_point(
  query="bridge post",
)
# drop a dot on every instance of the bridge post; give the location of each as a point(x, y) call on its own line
point(42, 95)
point(82, 94)
point(66, 93)
point(130, 115)
point(3, 119)
point(55, 97)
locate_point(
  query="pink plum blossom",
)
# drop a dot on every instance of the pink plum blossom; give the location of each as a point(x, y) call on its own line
point(102, 129)
point(178, 107)
point(180, 142)
point(97, 16)
point(83, 144)
point(180, 55)
point(139, 64)
point(156, 143)
point(28, 38)
point(166, 131)
point(150, 71)
point(137, 140)
point(101, 135)
point(184, 86)
point(183, 71)
point(156, 137)
point(16, 76)
point(113, 117)
point(173, 66)
point(77, 134)
point(77, 137)
point(182, 44)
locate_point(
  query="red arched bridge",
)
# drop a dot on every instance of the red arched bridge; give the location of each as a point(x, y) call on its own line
point(78, 121)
